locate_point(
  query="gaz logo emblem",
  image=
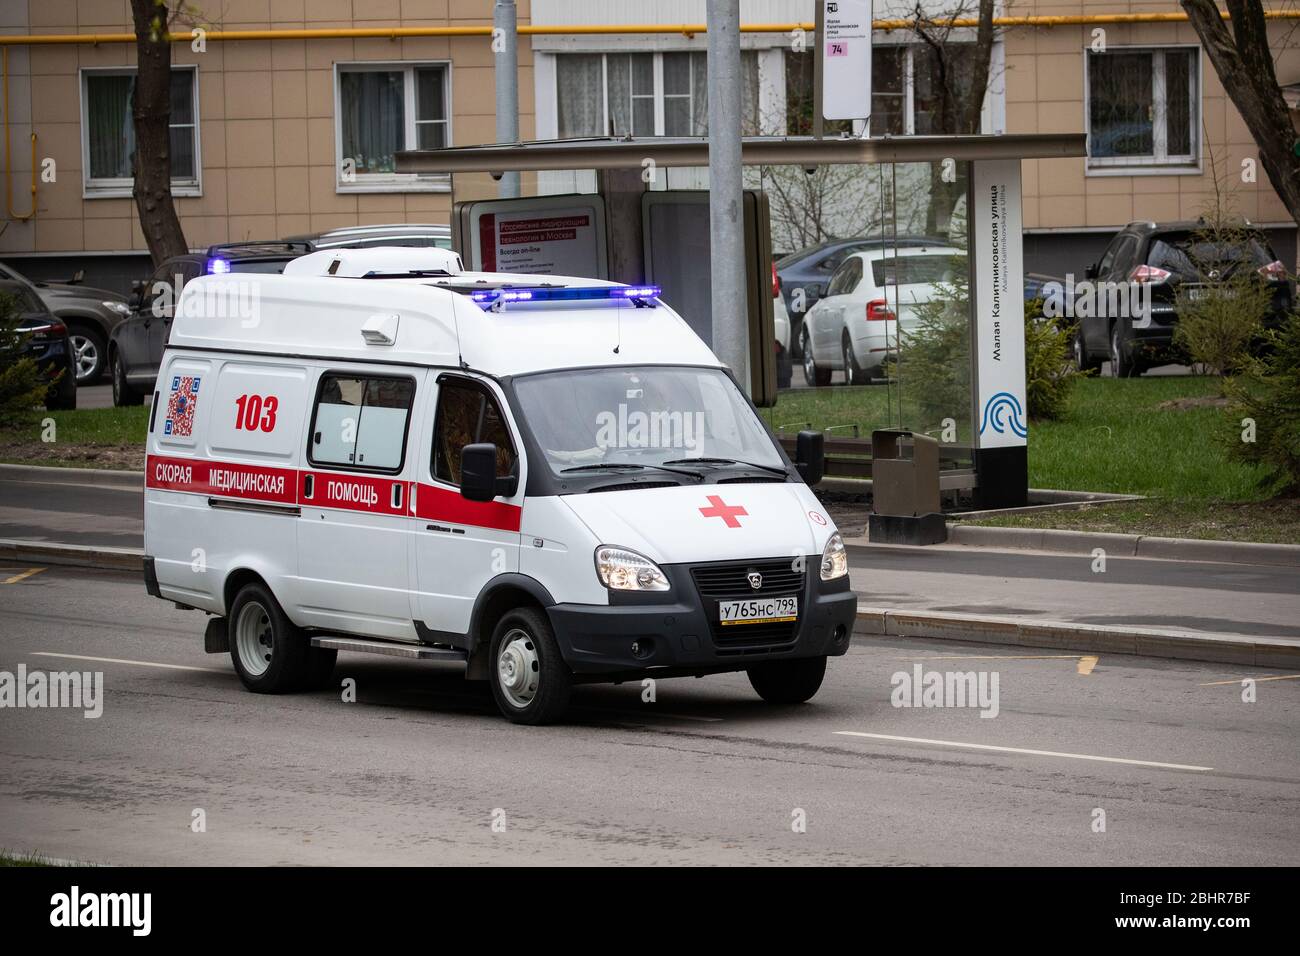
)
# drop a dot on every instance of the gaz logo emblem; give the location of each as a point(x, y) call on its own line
point(755, 580)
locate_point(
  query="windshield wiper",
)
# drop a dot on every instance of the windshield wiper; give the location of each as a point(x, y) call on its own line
point(630, 464)
point(728, 461)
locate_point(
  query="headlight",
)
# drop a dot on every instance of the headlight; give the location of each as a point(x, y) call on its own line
point(835, 560)
point(121, 308)
point(622, 570)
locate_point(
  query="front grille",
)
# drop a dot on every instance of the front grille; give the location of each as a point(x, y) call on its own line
point(730, 581)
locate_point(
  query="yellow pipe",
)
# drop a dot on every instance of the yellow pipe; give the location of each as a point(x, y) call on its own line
point(397, 33)
point(9, 188)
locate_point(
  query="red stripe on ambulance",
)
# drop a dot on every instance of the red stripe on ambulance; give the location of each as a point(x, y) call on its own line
point(439, 504)
point(222, 479)
point(354, 492)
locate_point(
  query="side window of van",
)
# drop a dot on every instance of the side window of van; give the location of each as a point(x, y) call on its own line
point(467, 414)
point(360, 421)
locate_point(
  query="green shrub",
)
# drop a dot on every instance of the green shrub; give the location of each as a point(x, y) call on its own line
point(1049, 369)
point(22, 386)
point(1266, 397)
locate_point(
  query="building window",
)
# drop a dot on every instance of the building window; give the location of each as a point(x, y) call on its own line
point(1143, 108)
point(645, 94)
point(913, 91)
point(383, 108)
point(108, 132)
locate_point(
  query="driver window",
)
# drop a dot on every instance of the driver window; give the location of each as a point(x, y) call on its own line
point(467, 415)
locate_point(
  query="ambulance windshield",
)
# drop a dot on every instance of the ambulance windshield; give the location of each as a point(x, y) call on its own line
point(644, 416)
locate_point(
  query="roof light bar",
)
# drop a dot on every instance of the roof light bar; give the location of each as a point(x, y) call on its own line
point(218, 266)
point(489, 297)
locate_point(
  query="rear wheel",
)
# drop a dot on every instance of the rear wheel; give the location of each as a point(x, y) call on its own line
point(1082, 361)
point(270, 653)
point(530, 681)
point(812, 373)
point(1122, 363)
point(788, 682)
point(62, 396)
point(123, 393)
point(854, 374)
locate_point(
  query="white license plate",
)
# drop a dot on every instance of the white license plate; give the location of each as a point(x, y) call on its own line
point(761, 611)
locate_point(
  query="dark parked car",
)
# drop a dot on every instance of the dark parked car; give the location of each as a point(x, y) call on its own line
point(136, 346)
point(47, 343)
point(811, 269)
point(1168, 259)
point(365, 237)
point(90, 314)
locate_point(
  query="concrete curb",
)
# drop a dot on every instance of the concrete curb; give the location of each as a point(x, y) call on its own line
point(1087, 638)
point(72, 476)
point(72, 555)
point(1126, 545)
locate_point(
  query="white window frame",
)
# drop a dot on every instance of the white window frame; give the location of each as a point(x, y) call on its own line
point(658, 93)
point(392, 182)
point(121, 187)
point(1160, 163)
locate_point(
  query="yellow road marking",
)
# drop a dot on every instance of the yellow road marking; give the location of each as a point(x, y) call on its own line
point(1220, 683)
point(20, 577)
point(1086, 661)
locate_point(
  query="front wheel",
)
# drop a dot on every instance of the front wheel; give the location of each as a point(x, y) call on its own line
point(530, 681)
point(788, 682)
point(123, 393)
point(89, 347)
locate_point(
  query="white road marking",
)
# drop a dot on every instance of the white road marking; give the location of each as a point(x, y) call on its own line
point(118, 660)
point(1238, 680)
point(1021, 750)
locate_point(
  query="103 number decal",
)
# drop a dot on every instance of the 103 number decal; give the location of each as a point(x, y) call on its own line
point(256, 412)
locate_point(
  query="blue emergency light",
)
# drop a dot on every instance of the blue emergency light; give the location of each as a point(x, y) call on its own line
point(489, 297)
point(218, 266)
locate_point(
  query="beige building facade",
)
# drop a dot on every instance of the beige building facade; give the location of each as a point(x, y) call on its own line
point(270, 138)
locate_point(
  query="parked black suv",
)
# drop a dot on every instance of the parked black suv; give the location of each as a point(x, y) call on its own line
point(90, 314)
point(1164, 260)
point(136, 346)
point(46, 339)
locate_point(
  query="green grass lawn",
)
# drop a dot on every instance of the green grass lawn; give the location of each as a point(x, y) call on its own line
point(93, 437)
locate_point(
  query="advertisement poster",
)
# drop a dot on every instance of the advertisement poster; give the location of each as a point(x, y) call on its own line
point(564, 240)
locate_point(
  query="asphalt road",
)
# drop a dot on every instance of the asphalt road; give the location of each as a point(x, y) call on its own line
point(1169, 595)
point(415, 769)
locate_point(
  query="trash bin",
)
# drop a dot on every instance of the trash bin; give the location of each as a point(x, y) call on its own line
point(905, 490)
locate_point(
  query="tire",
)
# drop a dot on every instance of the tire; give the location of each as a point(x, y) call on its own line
point(270, 653)
point(788, 682)
point(1122, 363)
point(123, 393)
point(530, 682)
point(90, 349)
point(320, 667)
point(854, 374)
point(62, 397)
point(1082, 361)
point(813, 375)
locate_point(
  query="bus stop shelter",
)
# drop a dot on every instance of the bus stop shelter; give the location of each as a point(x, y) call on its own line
point(636, 229)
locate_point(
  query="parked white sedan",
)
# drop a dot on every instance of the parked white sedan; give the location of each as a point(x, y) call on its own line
point(854, 327)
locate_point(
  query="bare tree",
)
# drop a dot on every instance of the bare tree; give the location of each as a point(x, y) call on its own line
point(151, 112)
point(960, 81)
point(1244, 64)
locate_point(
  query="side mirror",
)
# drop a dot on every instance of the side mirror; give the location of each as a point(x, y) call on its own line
point(478, 474)
point(1090, 272)
point(810, 456)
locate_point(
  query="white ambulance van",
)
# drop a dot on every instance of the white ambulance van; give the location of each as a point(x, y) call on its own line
point(548, 480)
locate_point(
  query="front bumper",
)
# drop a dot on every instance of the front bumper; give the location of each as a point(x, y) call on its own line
point(672, 633)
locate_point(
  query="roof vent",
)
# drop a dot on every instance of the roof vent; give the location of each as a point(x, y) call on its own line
point(387, 261)
point(380, 329)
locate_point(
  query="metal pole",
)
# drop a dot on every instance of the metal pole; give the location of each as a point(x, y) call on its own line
point(726, 196)
point(505, 46)
point(819, 28)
